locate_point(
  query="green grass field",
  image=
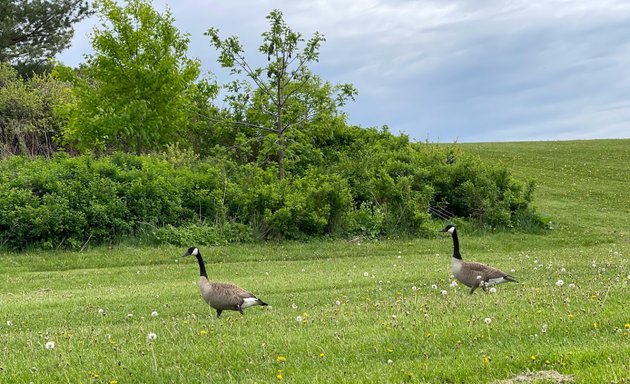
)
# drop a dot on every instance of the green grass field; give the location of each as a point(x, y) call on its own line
point(375, 312)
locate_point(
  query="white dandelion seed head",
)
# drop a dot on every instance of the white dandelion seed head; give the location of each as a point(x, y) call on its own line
point(414, 288)
point(487, 320)
point(154, 313)
point(365, 274)
point(571, 285)
point(444, 293)
point(559, 283)
point(493, 290)
point(299, 319)
point(50, 345)
point(434, 286)
point(151, 336)
point(337, 302)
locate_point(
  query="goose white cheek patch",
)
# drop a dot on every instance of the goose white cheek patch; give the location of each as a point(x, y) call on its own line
point(195, 252)
point(451, 230)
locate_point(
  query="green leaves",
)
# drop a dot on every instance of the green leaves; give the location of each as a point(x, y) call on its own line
point(139, 96)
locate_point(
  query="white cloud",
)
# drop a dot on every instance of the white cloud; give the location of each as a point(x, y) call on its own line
point(472, 70)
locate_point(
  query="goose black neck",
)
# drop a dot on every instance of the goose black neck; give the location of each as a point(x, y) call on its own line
point(456, 253)
point(202, 266)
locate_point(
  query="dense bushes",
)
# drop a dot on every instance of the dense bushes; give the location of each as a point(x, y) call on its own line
point(374, 185)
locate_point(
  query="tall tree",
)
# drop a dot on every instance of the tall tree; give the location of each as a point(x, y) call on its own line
point(280, 92)
point(140, 82)
point(33, 31)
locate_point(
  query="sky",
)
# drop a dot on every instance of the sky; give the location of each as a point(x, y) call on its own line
point(444, 70)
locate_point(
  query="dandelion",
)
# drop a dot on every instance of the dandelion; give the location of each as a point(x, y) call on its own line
point(493, 290)
point(151, 336)
point(595, 326)
point(365, 274)
point(444, 293)
point(154, 314)
point(559, 283)
point(486, 360)
point(281, 359)
point(113, 382)
point(279, 375)
point(626, 326)
point(337, 302)
point(50, 345)
point(487, 320)
point(203, 332)
point(414, 288)
point(533, 358)
point(299, 319)
point(571, 285)
point(434, 286)
point(321, 355)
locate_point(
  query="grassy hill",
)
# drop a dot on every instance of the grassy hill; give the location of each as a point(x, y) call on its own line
point(348, 312)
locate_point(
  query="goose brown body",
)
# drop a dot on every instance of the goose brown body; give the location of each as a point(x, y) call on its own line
point(471, 274)
point(222, 296)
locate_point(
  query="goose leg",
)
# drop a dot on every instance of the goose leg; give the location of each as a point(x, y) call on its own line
point(219, 313)
point(240, 309)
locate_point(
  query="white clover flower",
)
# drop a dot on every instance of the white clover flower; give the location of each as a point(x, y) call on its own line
point(559, 283)
point(493, 290)
point(294, 306)
point(337, 302)
point(9, 323)
point(444, 293)
point(154, 313)
point(151, 336)
point(453, 284)
point(365, 274)
point(434, 286)
point(512, 270)
point(50, 345)
point(390, 361)
point(101, 311)
point(414, 288)
point(487, 320)
point(299, 319)
point(130, 315)
point(571, 285)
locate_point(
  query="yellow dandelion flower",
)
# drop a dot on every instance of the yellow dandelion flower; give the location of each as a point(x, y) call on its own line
point(203, 332)
point(486, 360)
point(281, 359)
point(595, 325)
point(533, 357)
point(322, 355)
point(279, 375)
point(626, 326)
point(113, 382)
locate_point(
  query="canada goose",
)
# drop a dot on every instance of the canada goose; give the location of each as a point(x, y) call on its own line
point(474, 275)
point(222, 296)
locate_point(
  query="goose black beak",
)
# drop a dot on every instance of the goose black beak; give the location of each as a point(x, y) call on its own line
point(186, 254)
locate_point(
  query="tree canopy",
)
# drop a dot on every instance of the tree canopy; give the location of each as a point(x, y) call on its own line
point(33, 31)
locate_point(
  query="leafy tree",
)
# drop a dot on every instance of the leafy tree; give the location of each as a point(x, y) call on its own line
point(28, 125)
point(33, 31)
point(140, 84)
point(278, 98)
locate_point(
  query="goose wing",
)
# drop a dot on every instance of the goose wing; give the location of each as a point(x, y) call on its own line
point(225, 295)
point(485, 271)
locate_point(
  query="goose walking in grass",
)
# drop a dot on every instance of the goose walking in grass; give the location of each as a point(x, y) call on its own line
point(474, 275)
point(222, 296)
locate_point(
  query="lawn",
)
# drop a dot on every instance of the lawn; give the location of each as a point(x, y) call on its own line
point(370, 312)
